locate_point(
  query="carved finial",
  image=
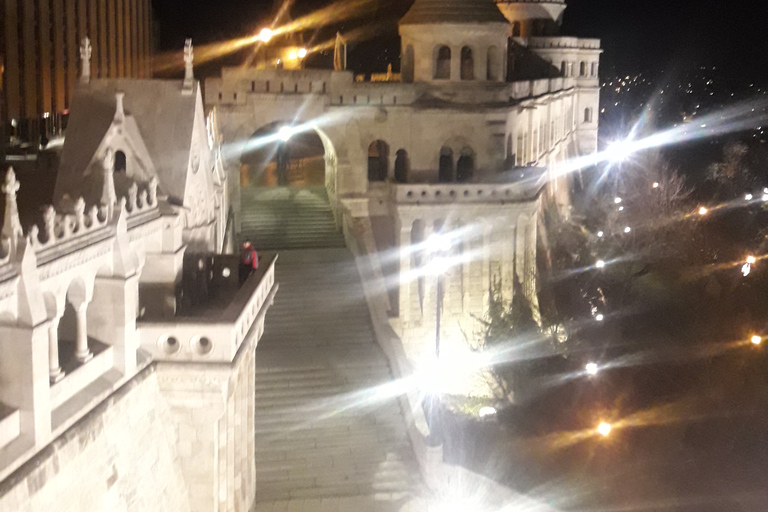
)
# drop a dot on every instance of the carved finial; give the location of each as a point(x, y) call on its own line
point(93, 216)
point(133, 192)
point(34, 235)
point(143, 198)
point(123, 209)
point(80, 214)
point(152, 191)
point(11, 224)
point(119, 108)
point(67, 226)
point(189, 59)
point(108, 195)
point(49, 218)
point(85, 58)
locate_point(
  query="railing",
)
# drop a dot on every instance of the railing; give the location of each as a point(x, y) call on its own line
point(212, 338)
point(563, 42)
point(439, 193)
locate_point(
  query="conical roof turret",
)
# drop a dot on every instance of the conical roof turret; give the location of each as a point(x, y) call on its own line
point(424, 12)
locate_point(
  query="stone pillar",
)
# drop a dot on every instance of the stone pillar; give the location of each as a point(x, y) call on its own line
point(82, 352)
point(456, 64)
point(487, 241)
point(112, 318)
point(406, 273)
point(55, 372)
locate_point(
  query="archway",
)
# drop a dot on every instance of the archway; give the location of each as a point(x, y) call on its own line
point(445, 173)
point(465, 167)
point(402, 166)
point(443, 63)
point(378, 161)
point(280, 154)
point(467, 64)
point(121, 163)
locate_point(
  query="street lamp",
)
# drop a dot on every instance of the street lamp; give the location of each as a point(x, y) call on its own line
point(604, 429)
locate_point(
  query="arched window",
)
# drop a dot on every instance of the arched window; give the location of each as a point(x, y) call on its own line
point(443, 63)
point(494, 65)
point(587, 115)
point(516, 29)
point(445, 174)
point(378, 161)
point(594, 69)
point(465, 167)
point(563, 68)
point(121, 163)
point(408, 63)
point(467, 64)
point(583, 69)
point(401, 166)
point(509, 146)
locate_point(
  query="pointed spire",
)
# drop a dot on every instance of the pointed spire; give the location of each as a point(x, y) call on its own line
point(189, 76)
point(108, 195)
point(119, 108)
point(11, 224)
point(85, 59)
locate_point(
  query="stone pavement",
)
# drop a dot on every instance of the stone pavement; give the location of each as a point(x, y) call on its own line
point(325, 440)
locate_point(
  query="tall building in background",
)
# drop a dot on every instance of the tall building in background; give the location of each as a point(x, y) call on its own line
point(39, 52)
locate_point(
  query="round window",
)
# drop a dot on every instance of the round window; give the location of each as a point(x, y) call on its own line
point(169, 344)
point(202, 346)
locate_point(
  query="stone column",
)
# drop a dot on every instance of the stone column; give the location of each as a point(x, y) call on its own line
point(55, 372)
point(456, 64)
point(82, 352)
point(404, 243)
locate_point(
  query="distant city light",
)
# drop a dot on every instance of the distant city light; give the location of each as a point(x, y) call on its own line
point(600, 234)
point(439, 243)
point(591, 368)
point(293, 55)
point(302, 53)
point(746, 269)
point(627, 229)
point(265, 35)
point(486, 411)
point(703, 211)
point(600, 264)
point(437, 266)
point(765, 197)
point(604, 429)
point(756, 339)
point(619, 151)
point(748, 197)
point(621, 208)
point(655, 184)
point(599, 317)
point(617, 200)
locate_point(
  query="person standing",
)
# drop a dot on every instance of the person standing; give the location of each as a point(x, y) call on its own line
point(249, 260)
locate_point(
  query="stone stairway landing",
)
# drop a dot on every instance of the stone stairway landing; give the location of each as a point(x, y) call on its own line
point(321, 435)
point(288, 218)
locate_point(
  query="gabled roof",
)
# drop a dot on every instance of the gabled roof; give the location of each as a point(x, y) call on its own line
point(164, 117)
point(424, 12)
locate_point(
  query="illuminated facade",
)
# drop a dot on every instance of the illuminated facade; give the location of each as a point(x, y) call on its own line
point(40, 50)
point(468, 138)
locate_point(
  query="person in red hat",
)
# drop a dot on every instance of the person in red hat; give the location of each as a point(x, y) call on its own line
point(249, 260)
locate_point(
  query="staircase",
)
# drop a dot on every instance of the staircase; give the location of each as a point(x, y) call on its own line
point(288, 218)
point(322, 433)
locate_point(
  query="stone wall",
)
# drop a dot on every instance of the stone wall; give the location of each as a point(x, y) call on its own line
point(120, 457)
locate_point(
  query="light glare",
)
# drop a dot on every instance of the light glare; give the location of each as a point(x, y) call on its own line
point(591, 368)
point(265, 35)
point(703, 211)
point(486, 411)
point(302, 53)
point(599, 317)
point(285, 133)
point(604, 429)
point(756, 340)
point(751, 260)
point(600, 264)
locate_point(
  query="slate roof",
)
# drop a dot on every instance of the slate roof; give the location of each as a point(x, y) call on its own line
point(424, 12)
point(165, 120)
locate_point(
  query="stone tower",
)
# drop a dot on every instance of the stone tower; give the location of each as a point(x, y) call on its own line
point(453, 41)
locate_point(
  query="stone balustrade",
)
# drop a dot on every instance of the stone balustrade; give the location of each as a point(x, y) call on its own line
point(563, 42)
point(213, 337)
point(441, 193)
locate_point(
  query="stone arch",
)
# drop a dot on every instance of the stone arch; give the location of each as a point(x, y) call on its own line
point(442, 63)
point(402, 166)
point(465, 166)
point(582, 68)
point(378, 161)
point(445, 170)
point(407, 68)
point(121, 161)
point(467, 69)
point(493, 64)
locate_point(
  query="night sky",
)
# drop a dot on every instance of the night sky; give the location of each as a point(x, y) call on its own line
point(647, 35)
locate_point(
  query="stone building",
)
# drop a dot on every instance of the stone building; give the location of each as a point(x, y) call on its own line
point(126, 337)
point(468, 140)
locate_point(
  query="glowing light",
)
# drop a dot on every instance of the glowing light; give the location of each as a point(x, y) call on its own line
point(302, 53)
point(619, 151)
point(486, 411)
point(751, 260)
point(703, 211)
point(600, 264)
point(293, 55)
point(617, 200)
point(439, 243)
point(604, 429)
point(437, 266)
point(591, 368)
point(756, 339)
point(599, 317)
point(621, 208)
point(600, 234)
point(265, 35)
point(285, 133)
point(748, 197)
point(627, 229)
point(655, 184)
point(746, 269)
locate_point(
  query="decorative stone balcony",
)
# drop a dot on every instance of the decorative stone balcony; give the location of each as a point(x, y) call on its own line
point(213, 327)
